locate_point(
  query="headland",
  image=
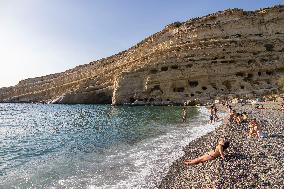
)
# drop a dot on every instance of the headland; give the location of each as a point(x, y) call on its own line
point(229, 53)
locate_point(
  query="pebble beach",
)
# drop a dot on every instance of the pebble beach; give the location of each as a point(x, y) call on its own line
point(250, 163)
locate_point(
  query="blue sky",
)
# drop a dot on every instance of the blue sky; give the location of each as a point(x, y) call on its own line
point(40, 37)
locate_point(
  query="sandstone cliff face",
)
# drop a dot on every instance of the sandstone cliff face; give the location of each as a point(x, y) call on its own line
point(232, 52)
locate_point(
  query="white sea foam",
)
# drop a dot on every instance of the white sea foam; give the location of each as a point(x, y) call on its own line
point(145, 164)
point(140, 165)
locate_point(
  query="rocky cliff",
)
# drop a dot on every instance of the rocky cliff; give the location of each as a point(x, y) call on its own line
point(233, 52)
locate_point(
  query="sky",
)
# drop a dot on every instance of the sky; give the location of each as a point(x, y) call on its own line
point(40, 37)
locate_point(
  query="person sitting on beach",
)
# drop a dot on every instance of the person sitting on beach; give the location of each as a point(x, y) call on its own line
point(251, 132)
point(258, 130)
point(232, 116)
point(244, 118)
point(238, 118)
point(213, 154)
point(254, 129)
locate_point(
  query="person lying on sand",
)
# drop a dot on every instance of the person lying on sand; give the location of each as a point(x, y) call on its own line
point(213, 154)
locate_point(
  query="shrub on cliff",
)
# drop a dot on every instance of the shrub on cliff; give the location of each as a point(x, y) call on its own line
point(177, 24)
point(174, 25)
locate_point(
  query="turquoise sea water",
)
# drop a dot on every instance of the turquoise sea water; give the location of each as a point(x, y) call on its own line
point(92, 146)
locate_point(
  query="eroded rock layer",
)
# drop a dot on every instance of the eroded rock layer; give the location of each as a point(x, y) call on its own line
point(233, 52)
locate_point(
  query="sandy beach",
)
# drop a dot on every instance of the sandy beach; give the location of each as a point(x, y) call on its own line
point(249, 163)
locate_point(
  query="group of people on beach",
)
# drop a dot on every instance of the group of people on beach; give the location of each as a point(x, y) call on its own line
point(238, 118)
point(252, 128)
point(213, 114)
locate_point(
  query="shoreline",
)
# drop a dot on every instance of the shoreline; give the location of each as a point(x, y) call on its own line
point(249, 162)
point(147, 176)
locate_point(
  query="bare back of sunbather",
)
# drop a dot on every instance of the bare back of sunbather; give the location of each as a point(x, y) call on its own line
point(213, 154)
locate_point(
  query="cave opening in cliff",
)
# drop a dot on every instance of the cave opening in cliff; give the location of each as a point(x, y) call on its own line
point(153, 71)
point(227, 84)
point(251, 61)
point(131, 100)
point(193, 83)
point(269, 47)
point(188, 65)
point(174, 67)
point(250, 76)
point(165, 68)
point(269, 73)
point(102, 97)
point(156, 87)
point(179, 89)
point(151, 100)
point(240, 74)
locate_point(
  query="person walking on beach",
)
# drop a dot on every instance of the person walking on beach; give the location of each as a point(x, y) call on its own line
point(213, 154)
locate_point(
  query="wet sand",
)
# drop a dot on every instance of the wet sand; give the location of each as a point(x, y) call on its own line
point(249, 163)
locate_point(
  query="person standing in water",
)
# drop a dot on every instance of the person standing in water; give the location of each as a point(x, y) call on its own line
point(184, 114)
point(215, 116)
point(211, 117)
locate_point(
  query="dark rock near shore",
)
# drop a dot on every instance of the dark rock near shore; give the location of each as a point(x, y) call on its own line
point(249, 162)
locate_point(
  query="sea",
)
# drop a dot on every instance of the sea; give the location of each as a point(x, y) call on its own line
point(49, 146)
